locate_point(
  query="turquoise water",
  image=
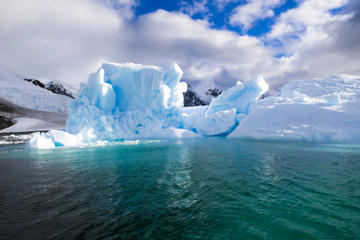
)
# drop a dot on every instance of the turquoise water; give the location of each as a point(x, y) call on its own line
point(210, 188)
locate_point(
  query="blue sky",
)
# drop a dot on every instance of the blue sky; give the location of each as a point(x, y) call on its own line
point(215, 42)
point(218, 17)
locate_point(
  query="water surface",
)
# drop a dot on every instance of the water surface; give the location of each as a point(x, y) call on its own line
point(211, 188)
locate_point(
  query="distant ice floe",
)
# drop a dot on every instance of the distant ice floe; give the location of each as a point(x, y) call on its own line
point(132, 101)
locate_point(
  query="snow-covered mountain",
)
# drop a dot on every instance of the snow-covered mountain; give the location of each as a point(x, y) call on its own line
point(53, 86)
point(29, 105)
point(26, 94)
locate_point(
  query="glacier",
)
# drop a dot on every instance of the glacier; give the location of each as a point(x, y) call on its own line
point(132, 101)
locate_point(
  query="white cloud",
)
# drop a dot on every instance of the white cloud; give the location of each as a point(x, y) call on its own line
point(221, 4)
point(309, 14)
point(59, 39)
point(196, 7)
point(318, 42)
point(246, 14)
point(125, 8)
point(64, 39)
point(49, 45)
point(206, 55)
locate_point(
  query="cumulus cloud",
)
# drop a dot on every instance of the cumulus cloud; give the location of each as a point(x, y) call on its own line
point(205, 54)
point(60, 39)
point(318, 42)
point(246, 14)
point(125, 8)
point(311, 14)
point(194, 8)
point(65, 40)
point(47, 44)
point(221, 4)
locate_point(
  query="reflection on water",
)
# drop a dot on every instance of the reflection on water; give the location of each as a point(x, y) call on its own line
point(176, 178)
point(210, 188)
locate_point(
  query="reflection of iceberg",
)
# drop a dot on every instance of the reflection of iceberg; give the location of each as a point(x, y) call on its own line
point(131, 101)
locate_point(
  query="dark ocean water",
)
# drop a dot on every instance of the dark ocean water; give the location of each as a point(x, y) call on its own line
point(211, 188)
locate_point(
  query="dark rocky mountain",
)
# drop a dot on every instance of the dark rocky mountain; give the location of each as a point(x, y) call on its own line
point(52, 86)
point(58, 88)
point(213, 92)
point(6, 115)
point(191, 99)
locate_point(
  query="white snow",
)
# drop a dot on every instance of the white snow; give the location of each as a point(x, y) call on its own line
point(29, 125)
point(319, 109)
point(14, 89)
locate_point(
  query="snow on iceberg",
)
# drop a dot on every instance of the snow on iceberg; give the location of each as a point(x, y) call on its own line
point(230, 107)
point(319, 109)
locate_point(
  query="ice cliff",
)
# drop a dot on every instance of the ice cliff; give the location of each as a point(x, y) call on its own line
point(131, 101)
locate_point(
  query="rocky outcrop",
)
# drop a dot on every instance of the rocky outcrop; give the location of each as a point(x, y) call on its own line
point(58, 88)
point(191, 99)
point(52, 86)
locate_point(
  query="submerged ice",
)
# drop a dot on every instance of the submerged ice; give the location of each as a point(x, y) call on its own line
point(132, 101)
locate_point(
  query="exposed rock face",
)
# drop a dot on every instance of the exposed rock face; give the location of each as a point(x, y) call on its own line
point(191, 99)
point(52, 86)
point(7, 113)
point(5, 122)
point(213, 92)
point(35, 82)
point(58, 88)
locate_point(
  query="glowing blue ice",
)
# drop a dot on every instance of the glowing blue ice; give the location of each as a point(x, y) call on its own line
point(230, 107)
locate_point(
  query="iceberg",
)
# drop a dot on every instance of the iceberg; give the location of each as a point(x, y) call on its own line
point(123, 101)
point(227, 110)
point(133, 101)
point(241, 97)
point(127, 101)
